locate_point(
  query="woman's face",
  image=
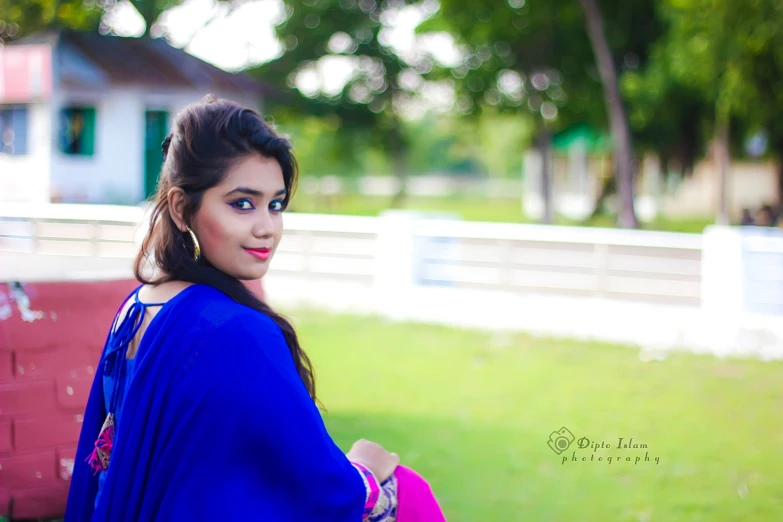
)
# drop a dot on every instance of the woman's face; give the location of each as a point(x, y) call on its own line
point(240, 221)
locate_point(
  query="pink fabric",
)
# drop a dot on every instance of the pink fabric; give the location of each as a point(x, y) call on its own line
point(415, 500)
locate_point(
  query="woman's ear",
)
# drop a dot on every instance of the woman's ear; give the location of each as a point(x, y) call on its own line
point(176, 197)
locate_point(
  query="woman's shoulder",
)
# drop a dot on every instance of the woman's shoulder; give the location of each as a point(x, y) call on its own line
point(213, 309)
point(225, 332)
point(205, 321)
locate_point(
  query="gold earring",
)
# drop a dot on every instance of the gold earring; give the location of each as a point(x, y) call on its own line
point(196, 246)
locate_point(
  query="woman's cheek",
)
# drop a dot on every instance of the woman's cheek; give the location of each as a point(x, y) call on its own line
point(278, 232)
point(214, 234)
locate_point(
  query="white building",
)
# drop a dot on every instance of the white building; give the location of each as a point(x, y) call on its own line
point(82, 116)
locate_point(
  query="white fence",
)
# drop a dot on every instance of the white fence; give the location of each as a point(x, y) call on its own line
point(658, 290)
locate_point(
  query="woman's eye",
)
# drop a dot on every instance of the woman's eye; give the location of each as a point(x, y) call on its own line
point(243, 204)
point(276, 206)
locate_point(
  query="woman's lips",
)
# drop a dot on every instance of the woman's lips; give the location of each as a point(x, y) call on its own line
point(259, 253)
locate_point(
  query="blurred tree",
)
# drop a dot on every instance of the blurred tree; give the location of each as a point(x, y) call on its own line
point(667, 116)
point(318, 147)
point(540, 56)
point(150, 11)
point(498, 138)
point(722, 53)
point(509, 63)
point(23, 17)
point(431, 142)
point(518, 54)
point(624, 161)
point(449, 143)
point(765, 113)
point(380, 85)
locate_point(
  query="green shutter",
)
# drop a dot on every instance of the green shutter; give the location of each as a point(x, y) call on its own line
point(156, 129)
point(89, 131)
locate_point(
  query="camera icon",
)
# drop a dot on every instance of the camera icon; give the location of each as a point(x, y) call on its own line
point(560, 440)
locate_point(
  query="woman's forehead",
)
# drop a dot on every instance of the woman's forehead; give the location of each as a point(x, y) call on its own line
point(256, 172)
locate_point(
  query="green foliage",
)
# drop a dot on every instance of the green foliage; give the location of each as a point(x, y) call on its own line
point(717, 60)
point(24, 17)
point(491, 143)
point(320, 148)
point(500, 140)
point(544, 45)
point(435, 147)
point(475, 207)
point(20, 18)
point(370, 104)
point(711, 47)
point(349, 29)
point(667, 116)
point(488, 144)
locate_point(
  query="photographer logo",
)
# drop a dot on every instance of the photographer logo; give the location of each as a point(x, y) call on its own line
point(587, 450)
point(561, 440)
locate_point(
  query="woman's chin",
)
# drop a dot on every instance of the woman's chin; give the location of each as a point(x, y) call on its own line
point(246, 271)
point(252, 273)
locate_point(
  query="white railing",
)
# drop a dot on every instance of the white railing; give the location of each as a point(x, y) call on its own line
point(641, 266)
point(650, 288)
point(70, 230)
point(619, 264)
point(325, 246)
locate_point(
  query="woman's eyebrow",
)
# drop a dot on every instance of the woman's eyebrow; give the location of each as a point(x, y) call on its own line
point(252, 192)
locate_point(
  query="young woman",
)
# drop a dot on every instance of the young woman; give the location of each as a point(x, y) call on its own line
point(203, 406)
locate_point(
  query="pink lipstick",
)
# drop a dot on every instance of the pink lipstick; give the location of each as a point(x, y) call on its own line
point(259, 253)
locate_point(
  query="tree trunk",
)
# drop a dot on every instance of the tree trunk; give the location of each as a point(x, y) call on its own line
point(544, 139)
point(722, 157)
point(398, 160)
point(620, 129)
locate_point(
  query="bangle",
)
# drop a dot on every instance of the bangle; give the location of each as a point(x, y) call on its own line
point(371, 486)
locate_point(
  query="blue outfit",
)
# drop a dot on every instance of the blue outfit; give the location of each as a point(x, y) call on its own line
point(214, 423)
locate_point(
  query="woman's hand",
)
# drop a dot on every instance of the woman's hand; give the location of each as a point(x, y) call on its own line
point(374, 457)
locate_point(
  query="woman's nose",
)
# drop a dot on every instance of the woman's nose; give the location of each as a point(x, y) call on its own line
point(263, 227)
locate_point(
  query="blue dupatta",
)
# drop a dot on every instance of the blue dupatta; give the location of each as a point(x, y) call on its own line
point(216, 425)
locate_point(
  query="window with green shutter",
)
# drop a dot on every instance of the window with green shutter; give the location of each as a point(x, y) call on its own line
point(77, 131)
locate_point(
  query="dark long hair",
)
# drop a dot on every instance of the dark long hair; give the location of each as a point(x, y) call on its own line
point(207, 139)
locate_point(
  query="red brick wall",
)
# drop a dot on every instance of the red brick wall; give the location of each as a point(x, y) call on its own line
point(49, 348)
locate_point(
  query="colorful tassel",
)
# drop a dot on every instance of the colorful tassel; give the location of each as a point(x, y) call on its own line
point(99, 458)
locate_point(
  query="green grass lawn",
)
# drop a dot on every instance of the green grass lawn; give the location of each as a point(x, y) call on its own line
point(473, 413)
point(477, 208)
